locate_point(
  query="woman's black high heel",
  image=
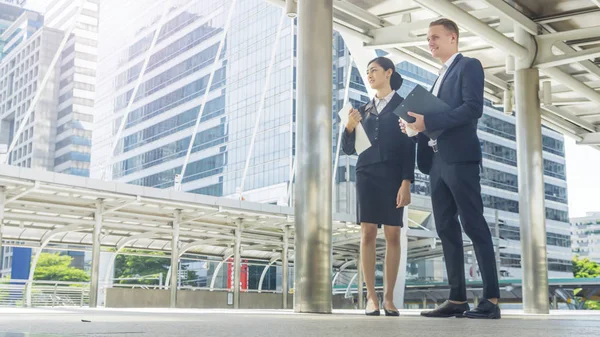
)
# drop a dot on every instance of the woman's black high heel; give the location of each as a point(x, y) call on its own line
point(371, 312)
point(391, 312)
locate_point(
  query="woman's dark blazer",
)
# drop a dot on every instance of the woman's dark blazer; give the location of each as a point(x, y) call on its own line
point(388, 144)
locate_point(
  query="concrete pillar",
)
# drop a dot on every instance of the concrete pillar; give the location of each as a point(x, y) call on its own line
point(532, 212)
point(175, 259)
point(313, 239)
point(237, 262)
point(285, 266)
point(95, 273)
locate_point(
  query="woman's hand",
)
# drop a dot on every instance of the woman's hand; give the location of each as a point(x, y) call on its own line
point(353, 120)
point(403, 198)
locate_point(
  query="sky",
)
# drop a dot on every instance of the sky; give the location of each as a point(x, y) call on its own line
point(583, 164)
point(583, 178)
point(37, 5)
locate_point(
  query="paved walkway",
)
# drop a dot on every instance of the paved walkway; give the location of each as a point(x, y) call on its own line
point(249, 323)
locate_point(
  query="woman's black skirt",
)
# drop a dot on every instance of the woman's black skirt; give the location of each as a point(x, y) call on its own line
point(377, 188)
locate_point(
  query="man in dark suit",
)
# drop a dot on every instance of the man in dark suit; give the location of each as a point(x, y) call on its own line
point(453, 163)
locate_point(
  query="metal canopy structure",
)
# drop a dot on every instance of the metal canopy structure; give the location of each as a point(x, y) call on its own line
point(41, 209)
point(566, 38)
point(44, 208)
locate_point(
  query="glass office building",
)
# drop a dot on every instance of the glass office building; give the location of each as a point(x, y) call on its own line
point(158, 126)
point(57, 135)
point(8, 15)
point(76, 84)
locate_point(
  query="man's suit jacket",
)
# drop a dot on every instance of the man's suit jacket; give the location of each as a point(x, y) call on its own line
point(388, 143)
point(462, 90)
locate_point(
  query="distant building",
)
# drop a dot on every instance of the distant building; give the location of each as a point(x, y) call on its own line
point(585, 236)
point(57, 136)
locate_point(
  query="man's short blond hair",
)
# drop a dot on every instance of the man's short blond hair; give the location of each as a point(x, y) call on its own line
point(450, 26)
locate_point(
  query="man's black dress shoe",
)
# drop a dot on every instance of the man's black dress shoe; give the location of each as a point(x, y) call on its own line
point(485, 310)
point(448, 309)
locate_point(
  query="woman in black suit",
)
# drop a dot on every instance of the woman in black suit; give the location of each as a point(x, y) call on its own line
point(384, 173)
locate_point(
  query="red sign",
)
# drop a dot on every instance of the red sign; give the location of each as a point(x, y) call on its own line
point(231, 275)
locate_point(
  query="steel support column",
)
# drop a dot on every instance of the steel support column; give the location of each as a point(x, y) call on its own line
point(237, 264)
point(285, 270)
point(291, 8)
point(313, 237)
point(530, 164)
point(175, 259)
point(95, 273)
point(2, 203)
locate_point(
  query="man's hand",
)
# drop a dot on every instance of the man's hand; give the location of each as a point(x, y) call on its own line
point(419, 124)
point(403, 198)
point(353, 120)
point(409, 132)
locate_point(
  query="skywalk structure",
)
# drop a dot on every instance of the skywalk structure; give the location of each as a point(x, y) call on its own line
point(514, 42)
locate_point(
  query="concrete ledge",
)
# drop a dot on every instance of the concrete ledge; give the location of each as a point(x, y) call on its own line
point(203, 299)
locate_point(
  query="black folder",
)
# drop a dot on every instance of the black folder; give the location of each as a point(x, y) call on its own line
point(422, 102)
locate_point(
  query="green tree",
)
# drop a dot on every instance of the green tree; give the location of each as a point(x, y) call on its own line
point(150, 264)
point(55, 267)
point(585, 268)
point(134, 266)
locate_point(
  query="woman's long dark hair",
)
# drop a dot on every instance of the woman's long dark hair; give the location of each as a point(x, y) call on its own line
point(385, 63)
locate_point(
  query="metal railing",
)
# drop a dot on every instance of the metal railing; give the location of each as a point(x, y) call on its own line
point(44, 293)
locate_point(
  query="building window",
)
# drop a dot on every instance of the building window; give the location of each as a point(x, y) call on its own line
point(214, 190)
point(203, 168)
point(187, 119)
point(204, 139)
